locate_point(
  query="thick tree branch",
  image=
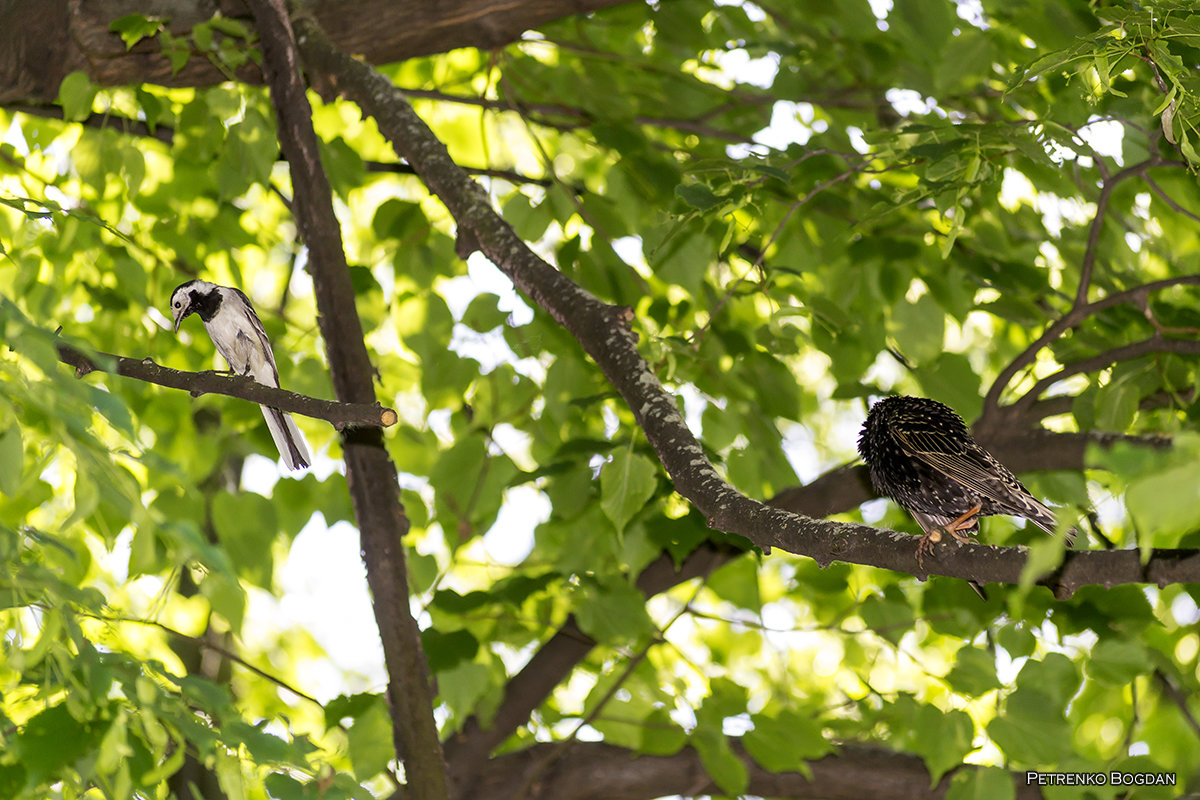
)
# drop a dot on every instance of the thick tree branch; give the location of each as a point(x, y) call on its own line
point(598, 771)
point(340, 415)
point(370, 473)
point(605, 334)
point(836, 491)
point(41, 42)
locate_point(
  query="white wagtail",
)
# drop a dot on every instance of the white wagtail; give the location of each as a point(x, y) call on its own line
point(239, 336)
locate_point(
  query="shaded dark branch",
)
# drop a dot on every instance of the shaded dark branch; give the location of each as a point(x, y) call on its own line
point(1179, 698)
point(469, 749)
point(370, 473)
point(1081, 309)
point(599, 771)
point(340, 415)
point(225, 652)
point(1166, 198)
point(1155, 344)
point(1072, 318)
point(399, 168)
point(529, 110)
point(1089, 256)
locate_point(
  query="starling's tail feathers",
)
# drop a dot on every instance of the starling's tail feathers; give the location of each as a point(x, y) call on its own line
point(1044, 518)
point(287, 438)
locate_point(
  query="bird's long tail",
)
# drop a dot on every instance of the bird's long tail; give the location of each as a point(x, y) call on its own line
point(287, 438)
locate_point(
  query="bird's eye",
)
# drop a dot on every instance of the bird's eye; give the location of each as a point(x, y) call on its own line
point(178, 304)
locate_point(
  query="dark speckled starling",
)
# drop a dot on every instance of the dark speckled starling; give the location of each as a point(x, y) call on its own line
point(921, 455)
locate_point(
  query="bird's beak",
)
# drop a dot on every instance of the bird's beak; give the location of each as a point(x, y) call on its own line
point(178, 314)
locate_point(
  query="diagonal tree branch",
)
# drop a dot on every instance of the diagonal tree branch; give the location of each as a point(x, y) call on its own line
point(1089, 256)
point(340, 415)
point(604, 333)
point(467, 750)
point(370, 473)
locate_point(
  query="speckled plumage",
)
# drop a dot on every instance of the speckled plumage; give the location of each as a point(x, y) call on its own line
point(921, 455)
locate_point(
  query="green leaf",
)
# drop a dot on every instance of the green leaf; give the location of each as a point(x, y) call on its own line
point(698, 196)
point(12, 460)
point(919, 329)
point(1117, 405)
point(982, 783)
point(484, 314)
point(942, 739)
point(737, 583)
point(132, 28)
point(786, 742)
point(974, 671)
point(444, 650)
point(54, 739)
point(528, 220)
point(1164, 504)
point(350, 706)
point(226, 597)
point(890, 616)
point(614, 611)
point(462, 687)
point(661, 735)
point(725, 768)
point(1045, 555)
point(369, 741)
point(626, 483)
point(75, 95)
point(247, 529)
point(1033, 730)
point(1118, 661)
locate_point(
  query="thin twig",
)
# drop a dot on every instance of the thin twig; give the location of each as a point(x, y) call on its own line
point(1155, 344)
point(1089, 255)
point(216, 648)
point(1072, 318)
point(1178, 698)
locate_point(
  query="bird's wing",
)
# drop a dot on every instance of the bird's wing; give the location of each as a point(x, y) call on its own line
point(257, 325)
point(974, 468)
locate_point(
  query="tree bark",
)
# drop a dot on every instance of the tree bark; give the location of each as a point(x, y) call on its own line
point(370, 473)
point(598, 771)
point(41, 42)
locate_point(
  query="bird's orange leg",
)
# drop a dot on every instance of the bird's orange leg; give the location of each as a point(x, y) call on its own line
point(925, 545)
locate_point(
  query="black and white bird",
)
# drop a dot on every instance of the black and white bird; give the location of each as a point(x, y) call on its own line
point(921, 455)
point(239, 336)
